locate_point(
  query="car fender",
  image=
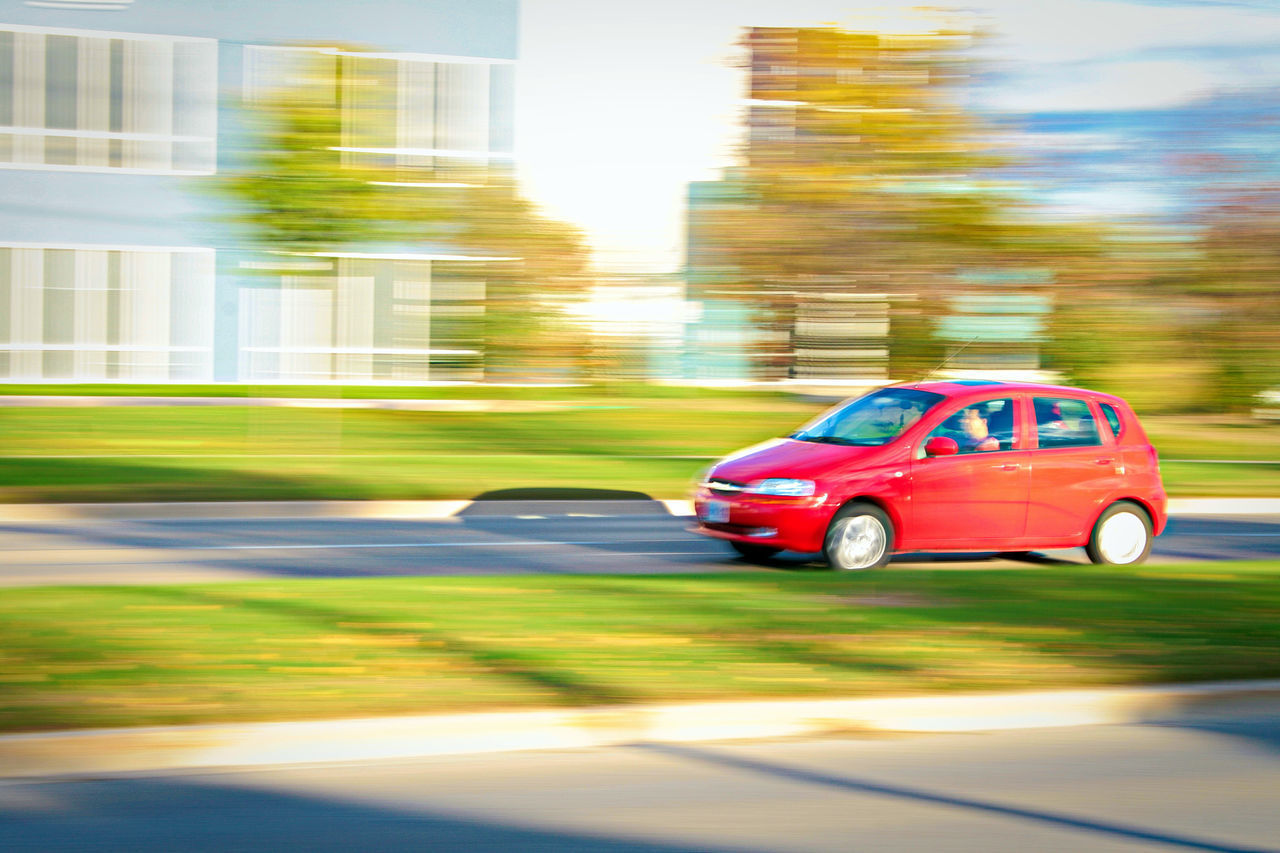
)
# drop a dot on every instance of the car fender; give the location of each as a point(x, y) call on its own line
point(887, 487)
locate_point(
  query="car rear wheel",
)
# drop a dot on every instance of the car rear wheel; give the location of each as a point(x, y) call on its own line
point(1122, 536)
point(860, 537)
point(754, 553)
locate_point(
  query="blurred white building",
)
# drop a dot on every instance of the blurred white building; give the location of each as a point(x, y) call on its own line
point(113, 264)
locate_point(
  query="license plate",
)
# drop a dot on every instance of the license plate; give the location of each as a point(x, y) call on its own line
point(715, 512)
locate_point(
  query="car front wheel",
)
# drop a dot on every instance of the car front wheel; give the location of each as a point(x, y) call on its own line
point(1122, 536)
point(860, 537)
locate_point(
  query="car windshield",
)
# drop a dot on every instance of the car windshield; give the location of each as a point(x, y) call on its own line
point(878, 418)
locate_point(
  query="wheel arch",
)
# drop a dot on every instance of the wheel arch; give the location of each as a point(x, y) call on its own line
point(1141, 504)
point(879, 503)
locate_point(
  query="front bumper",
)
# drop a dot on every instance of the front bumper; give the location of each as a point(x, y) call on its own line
point(790, 524)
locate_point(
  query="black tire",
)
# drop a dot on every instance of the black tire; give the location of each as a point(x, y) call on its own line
point(753, 553)
point(1121, 537)
point(859, 537)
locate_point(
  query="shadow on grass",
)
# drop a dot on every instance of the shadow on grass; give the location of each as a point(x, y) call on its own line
point(512, 663)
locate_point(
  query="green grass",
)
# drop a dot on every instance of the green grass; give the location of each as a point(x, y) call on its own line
point(1214, 437)
point(632, 443)
point(74, 657)
point(601, 392)
point(184, 453)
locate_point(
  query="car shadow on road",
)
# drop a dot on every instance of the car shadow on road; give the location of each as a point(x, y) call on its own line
point(599, 522)
point(797, 562)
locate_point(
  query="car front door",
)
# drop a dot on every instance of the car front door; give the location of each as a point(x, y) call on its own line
point(1075, 467)
point(978, 496)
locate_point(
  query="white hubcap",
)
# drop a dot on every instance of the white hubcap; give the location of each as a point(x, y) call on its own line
point(860, 542)
point(1123, 538)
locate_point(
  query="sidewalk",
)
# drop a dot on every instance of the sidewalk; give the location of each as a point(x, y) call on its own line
point(425, 510)
point(240, 745)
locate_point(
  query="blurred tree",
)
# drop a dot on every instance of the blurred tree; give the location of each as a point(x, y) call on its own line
point(858, 166)
point(1235, 282)
point(299, 185)
point(526, 330)
point(863, 171)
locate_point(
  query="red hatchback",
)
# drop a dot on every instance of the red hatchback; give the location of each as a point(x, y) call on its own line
point(945, 466)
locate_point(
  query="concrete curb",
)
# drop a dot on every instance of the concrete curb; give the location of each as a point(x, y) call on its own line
point(239, 745)
point(426, 510)
point(1224, 506)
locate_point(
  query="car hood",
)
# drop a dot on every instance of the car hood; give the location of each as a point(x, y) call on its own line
point(786, 457)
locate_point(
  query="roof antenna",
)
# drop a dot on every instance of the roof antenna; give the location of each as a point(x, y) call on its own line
point(946, 361)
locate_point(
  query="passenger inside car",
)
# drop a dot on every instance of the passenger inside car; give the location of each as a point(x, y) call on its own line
point(1065, 423)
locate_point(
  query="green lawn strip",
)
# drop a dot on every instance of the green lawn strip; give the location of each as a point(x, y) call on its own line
point(162, 453)
point(76, 657)
point(590, 392)
point(1189, 479)
point(241, 453)
point(420, 477)
point(1214, 437)
point(654, 429)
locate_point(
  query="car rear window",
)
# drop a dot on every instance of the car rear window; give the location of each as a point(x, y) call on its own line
point(1113, 418)
point(1065, 422)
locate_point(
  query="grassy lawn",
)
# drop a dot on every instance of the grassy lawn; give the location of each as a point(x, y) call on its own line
point(601, 392)
point(603, 438)
point(247, 453)
point(74, 657)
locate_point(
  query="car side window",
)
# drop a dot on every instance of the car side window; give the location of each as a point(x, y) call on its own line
point(980, 427)
point(1064, 422)
point(1113, 418)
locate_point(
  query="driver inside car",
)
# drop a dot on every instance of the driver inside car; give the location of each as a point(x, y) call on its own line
point(977, 438)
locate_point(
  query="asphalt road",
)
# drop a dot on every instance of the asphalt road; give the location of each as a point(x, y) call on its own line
point(481, 540)
point(1209, 782)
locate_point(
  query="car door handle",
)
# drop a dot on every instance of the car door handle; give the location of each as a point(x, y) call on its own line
point(1008, 466)
point(1103, 461)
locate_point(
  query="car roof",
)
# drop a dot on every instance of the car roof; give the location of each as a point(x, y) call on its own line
point(965, 388)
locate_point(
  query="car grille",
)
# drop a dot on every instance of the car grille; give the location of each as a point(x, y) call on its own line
point(724, 487)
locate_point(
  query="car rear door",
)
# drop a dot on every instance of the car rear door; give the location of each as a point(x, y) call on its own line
point(1075, 468)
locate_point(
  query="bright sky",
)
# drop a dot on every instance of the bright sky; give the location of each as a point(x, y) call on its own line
point(620, 104)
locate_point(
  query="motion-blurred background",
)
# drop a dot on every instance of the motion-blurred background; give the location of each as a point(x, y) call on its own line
point(561, 191)
point(593, 221)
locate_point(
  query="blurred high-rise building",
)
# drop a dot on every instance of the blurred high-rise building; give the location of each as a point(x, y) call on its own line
point(856, 144)
point(117, 116)
point(837, 330)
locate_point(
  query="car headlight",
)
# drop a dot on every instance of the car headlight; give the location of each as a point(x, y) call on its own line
point(782, 487)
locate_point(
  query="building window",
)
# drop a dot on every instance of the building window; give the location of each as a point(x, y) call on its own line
point(426, 118)
point(99, 101)
point(95, 313)
point(368, 318)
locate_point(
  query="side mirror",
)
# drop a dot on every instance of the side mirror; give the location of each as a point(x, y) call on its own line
point(941, 445)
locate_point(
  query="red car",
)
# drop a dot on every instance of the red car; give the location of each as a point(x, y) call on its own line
point(945, 466)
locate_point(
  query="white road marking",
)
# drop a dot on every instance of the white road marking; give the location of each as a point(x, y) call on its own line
point(501, 544)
